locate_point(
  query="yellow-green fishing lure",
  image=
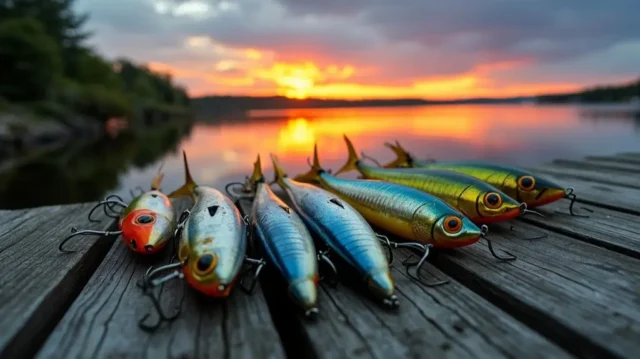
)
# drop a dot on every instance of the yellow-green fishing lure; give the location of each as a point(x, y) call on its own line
point(477, 200)
point(521, 185)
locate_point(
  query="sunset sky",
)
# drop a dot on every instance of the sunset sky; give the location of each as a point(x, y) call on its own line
point(374, 48)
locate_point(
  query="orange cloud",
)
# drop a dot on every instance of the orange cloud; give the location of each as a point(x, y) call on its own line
point(250, 71)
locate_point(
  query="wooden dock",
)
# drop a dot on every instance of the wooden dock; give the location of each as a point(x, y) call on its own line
point(575, 293)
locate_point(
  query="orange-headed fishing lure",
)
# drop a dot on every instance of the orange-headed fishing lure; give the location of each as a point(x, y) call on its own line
point(519, 184)
point(146, 224)
point(212, 245)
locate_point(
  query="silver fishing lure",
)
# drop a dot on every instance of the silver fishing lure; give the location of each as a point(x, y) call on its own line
point(287, 243)
point(343, 230)
point(211, 249)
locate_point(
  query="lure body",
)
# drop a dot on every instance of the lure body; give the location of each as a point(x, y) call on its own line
point(147, 223)
point(402, 210)
point(287, 244)
point(344, 231)
point(510, 180)
point(212, 243)
point(521, 185)
point(476, 199)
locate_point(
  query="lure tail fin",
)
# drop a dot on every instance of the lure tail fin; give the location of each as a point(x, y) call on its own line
point(313, 174)
point(257, 175)
point(403, 158)
point(189, 185)
point(352, 161)
point(279, 171)
point(155, 184)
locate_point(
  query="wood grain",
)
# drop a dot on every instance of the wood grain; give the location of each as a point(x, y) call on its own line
point(102, 322)
point(633, 160)
point(608, 196)
point(613, 230)
point(37, 282)
point(583, 297)
point(615, 178)
point(600, 165)
point(447, 321)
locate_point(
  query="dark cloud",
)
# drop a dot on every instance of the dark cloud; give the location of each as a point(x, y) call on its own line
point(388, 42)
point(500, 26)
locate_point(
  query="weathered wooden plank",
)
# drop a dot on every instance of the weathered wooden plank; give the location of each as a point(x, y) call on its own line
point(600, 165)
point(583, 297)
point(616, 198)
point(447, 321)
point(613, 230)
point(633, 160)
point(37, 282)
point(615, 178)
point(629, 154)
point(102, 322)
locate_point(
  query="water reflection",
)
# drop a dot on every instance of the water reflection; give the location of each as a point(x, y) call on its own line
point(223, 151)
point(85, 171)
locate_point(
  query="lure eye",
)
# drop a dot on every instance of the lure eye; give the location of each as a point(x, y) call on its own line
point(206, 263)
point(452, 224)
point(145, 219)
point(492, 200)
point(526, 183)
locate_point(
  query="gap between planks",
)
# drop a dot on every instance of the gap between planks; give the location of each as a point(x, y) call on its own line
point(583, 297)
point(103, 321)
point(38, 281)
point(449, 321)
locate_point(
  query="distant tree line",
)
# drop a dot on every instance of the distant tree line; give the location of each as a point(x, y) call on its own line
point(46, 65)
point(214, 105)
point(598, 94)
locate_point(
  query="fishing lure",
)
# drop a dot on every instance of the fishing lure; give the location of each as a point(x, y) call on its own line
point(416, 216)
point(211, 248)
point(477, 200)
point(517, 183)
point(146, 224)
point(343, 230)
point(286, 242)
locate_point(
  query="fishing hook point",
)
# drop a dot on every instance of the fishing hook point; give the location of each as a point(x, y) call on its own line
point(426, 248)
point(323, 257)
point(386, 241)
point(568, 194)
point(260, 263)
point(76, 232)
point(510, 256)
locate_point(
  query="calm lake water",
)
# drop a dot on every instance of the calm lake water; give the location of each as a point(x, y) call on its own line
point(218, 153)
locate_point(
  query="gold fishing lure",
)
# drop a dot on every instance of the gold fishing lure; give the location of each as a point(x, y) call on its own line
point(477, 200)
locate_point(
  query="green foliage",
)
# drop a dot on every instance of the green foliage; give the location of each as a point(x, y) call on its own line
point(41, 45)
point(603, 94)
point(29, 59)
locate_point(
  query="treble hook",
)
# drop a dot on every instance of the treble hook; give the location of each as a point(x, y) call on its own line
point(568, 194)
point(386, 241)
point(483, 233)
point(367, 157)
point(104, 203)
point(260, 263)
point(182, 221)
point(524, 211)
point(246, 188)
point(422, 247)
point(110, 206)
point(75, 232)
point(322, 256)
point(147, 287)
